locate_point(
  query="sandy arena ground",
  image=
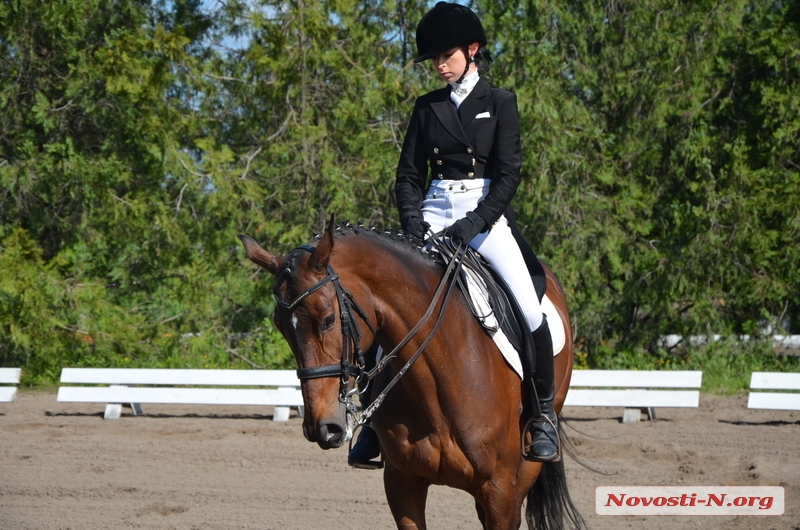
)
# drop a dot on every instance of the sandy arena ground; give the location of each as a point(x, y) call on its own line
point(199, 467)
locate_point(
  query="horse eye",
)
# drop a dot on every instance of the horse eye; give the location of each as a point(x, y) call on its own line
point(327, 323)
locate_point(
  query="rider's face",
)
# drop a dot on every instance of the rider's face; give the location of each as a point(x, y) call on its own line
point(450, 65)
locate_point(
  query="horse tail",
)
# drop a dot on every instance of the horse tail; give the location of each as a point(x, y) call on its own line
point(548, 502)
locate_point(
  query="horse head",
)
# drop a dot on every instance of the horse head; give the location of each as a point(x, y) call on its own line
point(309, 316)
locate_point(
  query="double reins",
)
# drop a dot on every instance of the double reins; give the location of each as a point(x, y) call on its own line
point(453, 267)
point(351, 344)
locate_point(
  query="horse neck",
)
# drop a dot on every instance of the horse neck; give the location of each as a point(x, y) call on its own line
point(398, 285)
point(456, 362)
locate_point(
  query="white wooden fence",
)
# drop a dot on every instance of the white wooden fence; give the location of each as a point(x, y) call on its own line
point(774, 400)
point(9, 376)
point(176, 386)
point(635, 390)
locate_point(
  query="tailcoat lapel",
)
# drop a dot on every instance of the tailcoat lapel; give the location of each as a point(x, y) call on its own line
point(445, 112)
point(475, 103)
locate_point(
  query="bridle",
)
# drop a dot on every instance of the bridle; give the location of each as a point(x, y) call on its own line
point(350, 331)
point(351, 343)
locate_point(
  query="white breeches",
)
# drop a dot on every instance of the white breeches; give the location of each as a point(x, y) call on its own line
point(447, 201)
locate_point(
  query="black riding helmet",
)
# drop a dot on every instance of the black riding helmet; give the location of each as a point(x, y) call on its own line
point(447, 26)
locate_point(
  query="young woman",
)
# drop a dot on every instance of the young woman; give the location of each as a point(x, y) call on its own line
point(465, 138)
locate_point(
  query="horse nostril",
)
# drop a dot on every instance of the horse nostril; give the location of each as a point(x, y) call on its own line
point(330, 432)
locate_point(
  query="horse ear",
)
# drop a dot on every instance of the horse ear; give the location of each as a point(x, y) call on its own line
point(319, 259)
point(259, 256)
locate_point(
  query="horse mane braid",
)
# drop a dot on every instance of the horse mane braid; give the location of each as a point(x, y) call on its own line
point(396, 238)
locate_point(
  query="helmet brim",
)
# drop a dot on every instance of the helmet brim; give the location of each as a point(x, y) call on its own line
point(431, 55)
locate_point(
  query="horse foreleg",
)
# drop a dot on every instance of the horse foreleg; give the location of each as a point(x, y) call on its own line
point(500, 505)
point(406, 496)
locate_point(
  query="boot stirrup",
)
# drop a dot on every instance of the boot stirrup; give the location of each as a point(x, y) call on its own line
point(529, 456)
point(369, 464)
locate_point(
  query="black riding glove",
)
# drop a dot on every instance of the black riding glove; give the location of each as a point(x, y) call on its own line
point(416, 228)
point(464, 230)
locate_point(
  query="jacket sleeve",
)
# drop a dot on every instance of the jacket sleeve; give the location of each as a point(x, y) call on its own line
point(412, 170)
point(504, 162)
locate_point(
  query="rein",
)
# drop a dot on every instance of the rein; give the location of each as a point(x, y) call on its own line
point(352, 335)
point(453, 267)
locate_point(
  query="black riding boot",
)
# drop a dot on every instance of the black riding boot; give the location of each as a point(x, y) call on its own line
point(366, 450)
point(544, 429)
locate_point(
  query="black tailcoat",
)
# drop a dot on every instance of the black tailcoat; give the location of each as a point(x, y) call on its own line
point(481, 140)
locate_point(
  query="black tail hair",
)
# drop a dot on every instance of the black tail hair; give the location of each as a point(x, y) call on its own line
point(548, 502)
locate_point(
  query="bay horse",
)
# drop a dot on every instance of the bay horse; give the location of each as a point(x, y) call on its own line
point(454, 416)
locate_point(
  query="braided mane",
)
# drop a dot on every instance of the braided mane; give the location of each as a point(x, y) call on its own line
point(395, 240)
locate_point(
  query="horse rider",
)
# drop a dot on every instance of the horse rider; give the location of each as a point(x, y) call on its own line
point(466, 138)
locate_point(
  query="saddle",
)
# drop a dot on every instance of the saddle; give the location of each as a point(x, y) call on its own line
point(478, 275)
point(496, 308)
point(490, 299)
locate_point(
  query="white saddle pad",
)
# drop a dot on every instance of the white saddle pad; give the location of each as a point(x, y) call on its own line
point(480, 300)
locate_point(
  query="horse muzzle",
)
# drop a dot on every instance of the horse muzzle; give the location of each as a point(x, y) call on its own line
point(328, 434)
point(326, 420)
